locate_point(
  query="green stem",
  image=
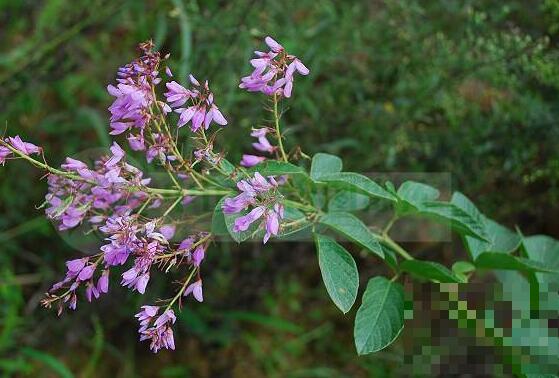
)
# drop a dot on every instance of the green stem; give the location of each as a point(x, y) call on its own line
point(395, 246)
point(171, 207)
point(298, 205)
point(181, 291)
point(278, 131)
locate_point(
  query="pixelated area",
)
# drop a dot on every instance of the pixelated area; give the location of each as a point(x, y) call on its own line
point(497, 328)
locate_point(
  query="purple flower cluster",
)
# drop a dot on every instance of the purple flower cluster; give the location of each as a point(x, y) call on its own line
point(82, 271)
point(112, 197)
point(273, 71)
point(131, 110)
point(16, 143)
point(201, 109)
point(158, 330)
point(262, 144)
point(261, 194)
point(94, 193)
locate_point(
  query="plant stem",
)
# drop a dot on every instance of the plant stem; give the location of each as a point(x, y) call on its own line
point(298, 205)
point(395, 246)
point(171, 207)
point(278, 131)
point(179, 293)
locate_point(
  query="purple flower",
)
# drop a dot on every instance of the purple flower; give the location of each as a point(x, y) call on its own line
point(5, 152)
point(73, 165)
point(160, 333)
point(202, 111)
point(103, 282)
point(244, 222)
point(133, 278)
point(23, 147)
point(263, 145)
point(168, 231)
point(196, 290)
point(186, 244)
point(87, 272)
point(117, 155)
point(273, 45)
point(198, 255)
point(251, 160)
point(177, 95)
point(91, 291)
point(136, 142)
point(237, 204)
point(75, 266)
point(273, 221)
point(273, 71)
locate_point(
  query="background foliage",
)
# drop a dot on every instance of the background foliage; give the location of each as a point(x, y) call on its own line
point(466, 87)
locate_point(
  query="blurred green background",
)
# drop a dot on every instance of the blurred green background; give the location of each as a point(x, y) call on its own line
point(464, 87)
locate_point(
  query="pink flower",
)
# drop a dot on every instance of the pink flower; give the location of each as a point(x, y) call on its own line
point(251, 160)
point(196, 290)
point(23, 147)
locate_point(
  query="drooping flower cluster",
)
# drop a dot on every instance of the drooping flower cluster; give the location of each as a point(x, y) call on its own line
point(159, 331)
point(94, 193)
point(273, 71)
point(261, 194)
point(202, 109)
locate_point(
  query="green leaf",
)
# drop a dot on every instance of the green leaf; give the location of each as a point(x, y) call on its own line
point(544, 250)
point(323, 164)
point(498, 238)
point(355, 230)
point(380, 319)
point(497, 260)
point(357, 182)
point(277, 168)
point(413, 194)
point(226, 166)
point(339, 272)
point(219, 227)
point(430, 270)
point(49, 361)
point(460, 221)
point(348, 201)
point(463, 267)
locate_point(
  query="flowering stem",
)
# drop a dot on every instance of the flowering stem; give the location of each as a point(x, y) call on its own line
point(278, 131)
point(179, 293)
point(45, 166)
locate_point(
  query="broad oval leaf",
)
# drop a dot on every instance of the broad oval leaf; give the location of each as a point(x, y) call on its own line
point(430, 270)
point(357, 182)
point(348, 201)
point(411, 195)
point(219, 228)
point(355, 230)
point(545, 250)
point(498, 238)
point(339, 272)
point(496, 260)
point(459, 220)
point(380, 319)
point(323, 164)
